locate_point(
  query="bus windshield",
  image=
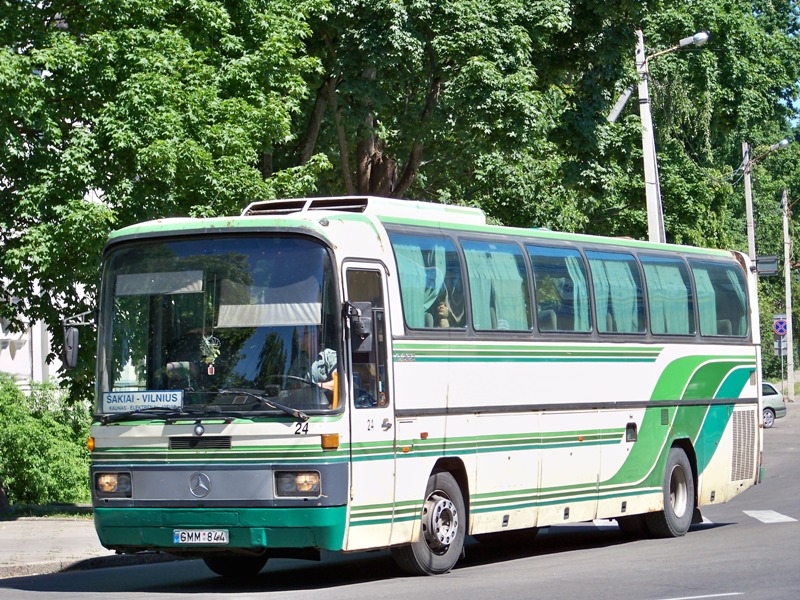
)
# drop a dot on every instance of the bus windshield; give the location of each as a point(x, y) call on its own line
point(218, 324)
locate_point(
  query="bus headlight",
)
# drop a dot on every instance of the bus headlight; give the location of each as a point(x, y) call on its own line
point(297, 483)
point(112, 485)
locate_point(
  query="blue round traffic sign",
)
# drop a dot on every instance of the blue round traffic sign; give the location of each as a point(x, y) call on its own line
point(780, 326)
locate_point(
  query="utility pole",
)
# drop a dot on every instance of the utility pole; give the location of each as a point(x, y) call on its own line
point(787, 277)
point(748, 198)
point(652, 186)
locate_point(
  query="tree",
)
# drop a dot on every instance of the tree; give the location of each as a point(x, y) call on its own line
point(126, 110)
point(122, 111)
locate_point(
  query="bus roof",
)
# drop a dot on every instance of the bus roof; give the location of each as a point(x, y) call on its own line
point(387, 210)
point(374, 206)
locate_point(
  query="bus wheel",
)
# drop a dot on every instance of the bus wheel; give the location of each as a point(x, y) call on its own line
point(236, 565)
point(678, 490)
point(441, 539)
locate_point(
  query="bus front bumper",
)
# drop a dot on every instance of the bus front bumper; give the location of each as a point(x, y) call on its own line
point(131, 530)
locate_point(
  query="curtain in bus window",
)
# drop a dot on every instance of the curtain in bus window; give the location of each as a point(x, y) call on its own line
point(738, 288)
point(580, 293)
point(617, 293)
point(561, 288)
point(706, 301)
point(669, 296)
point(421, 265)
point(498, 289)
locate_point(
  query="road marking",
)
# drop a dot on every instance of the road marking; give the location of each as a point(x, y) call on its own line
point(769, 516)
point(709, 596)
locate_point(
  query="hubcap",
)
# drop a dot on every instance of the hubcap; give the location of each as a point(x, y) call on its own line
point(678, 496)
point(439, 522)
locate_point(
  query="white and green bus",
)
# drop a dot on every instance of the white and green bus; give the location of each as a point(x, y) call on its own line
point(347, 374)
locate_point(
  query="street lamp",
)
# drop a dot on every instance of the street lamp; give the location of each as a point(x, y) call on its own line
point(655, 213)
point(747, 164)
point(787, 282)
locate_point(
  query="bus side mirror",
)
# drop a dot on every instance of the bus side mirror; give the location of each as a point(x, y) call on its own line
point(70, 356)
point(360, 316)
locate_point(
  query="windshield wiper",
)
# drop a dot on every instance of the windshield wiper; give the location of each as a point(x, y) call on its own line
point(158, 412)
point(293, 412)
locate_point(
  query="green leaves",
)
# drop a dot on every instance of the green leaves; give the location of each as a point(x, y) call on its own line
point(119, 111)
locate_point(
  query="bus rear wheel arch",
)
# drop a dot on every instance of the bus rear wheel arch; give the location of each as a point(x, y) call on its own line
point(678, 489)
point(443, 524)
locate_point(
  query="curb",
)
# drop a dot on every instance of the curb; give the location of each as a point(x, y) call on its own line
point(87, 564)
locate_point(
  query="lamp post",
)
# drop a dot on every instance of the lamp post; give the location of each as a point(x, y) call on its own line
point(747, 162)
point(787, 281)
point(652, 186)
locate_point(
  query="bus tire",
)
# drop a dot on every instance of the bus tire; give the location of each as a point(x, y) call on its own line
point(442, 530)
point(236, 565)
point(679, 500)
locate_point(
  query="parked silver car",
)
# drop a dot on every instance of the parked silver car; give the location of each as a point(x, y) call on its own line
point(774, 406)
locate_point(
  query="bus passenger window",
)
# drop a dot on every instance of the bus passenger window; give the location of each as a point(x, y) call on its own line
point(498, 283)
point(669, 295)
point(618, 295)
point(721, 298)
point(560, 289)
point(431, 283)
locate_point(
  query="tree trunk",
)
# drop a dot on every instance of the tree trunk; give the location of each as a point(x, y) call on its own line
point(344, 155)
point(314, 124)
point(5, 508)
point(415, 156)
point(382, 171)
point(364, 152)
point(266, 165)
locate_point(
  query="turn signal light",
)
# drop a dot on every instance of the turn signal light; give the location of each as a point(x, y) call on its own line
point(330, 441)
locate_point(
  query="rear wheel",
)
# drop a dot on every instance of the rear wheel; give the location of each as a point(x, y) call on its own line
point(769, 418)
point(236, 565)
point(679, 501)
point(441, 539)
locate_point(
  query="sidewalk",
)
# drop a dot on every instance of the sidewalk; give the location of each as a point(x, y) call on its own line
point(35, 546)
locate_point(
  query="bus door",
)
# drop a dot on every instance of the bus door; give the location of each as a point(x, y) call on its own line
point(372, 424)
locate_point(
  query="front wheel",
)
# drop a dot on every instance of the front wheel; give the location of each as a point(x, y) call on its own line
point(235, 565)
point(679, 501)
point(442, 529)
point(769, 418)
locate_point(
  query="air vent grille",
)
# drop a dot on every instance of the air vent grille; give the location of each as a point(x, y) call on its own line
point(200, 443)
point(285, 207)
point(744, 445)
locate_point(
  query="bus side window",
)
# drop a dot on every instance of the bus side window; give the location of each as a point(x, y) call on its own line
point(669, 295)
point(370, 388)
point(618, 294)
point(431, 282)
point(498, 283)
point(560, 289)
point(721, 298)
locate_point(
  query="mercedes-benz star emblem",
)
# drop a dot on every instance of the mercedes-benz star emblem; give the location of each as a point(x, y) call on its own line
point(199, 485)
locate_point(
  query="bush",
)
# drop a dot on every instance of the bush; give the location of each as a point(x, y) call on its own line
point(43, 455)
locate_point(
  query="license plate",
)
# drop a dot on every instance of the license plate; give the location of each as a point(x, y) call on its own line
point(200, 536)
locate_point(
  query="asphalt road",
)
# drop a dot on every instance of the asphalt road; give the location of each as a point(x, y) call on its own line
point(747, 548)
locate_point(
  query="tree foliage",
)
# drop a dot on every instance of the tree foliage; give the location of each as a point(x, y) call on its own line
point(119, 111)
